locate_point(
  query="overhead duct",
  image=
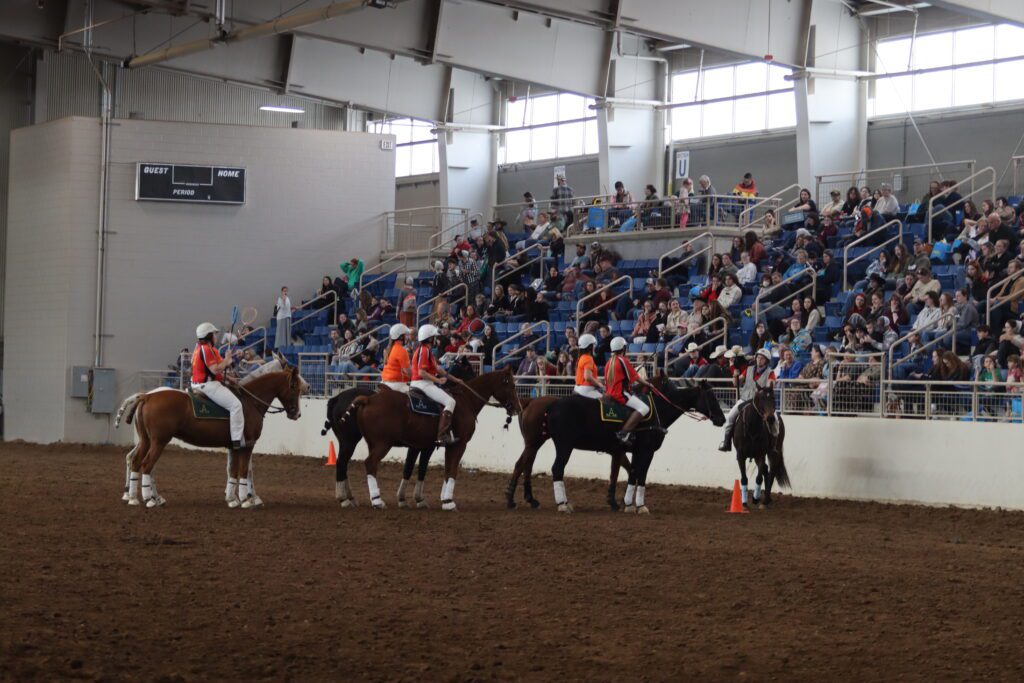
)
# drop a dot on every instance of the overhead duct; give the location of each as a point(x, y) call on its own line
point(270, 28)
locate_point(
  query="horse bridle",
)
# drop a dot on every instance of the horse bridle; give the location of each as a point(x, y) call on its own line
point(489, 401)
point(688, 412)
point(271, 410)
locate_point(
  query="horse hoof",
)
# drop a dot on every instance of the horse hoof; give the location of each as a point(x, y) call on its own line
point(251, 502)
point(613, 504)
point(402, 504)
point(124, 497)
point(449, 506)
point(155, 502)
point(534, 503)
point(629, 508)
point(233, 503)
point(257, 502)
point(349, 503)
point(133, 502)
point(422, 505)
point(565, 507)
point(510, 504)
point(379, 505)
point(642, 510)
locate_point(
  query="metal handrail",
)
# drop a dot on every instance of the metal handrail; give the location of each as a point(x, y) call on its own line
point(609, 286)
point(539, 258)
point(369, 333)
point(750, 210)
point(537, 202)
point(812, 285)
point(305, 306)
point(224, 347)
point(441, 244)
point(856, 177)
point(443, 295)
point(678, 341)
point(846, 250)
point(523, 331)
point(833, 367)
point(686, 259)
point(930, 326)
point(989, 299)
point(380, 266)
point(990, 185)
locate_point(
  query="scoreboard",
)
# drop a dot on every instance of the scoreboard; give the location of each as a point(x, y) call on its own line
point(188, 183)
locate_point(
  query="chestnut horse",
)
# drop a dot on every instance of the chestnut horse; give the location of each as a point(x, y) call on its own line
point(165, 414)
point(385, 421)
point(533, 423)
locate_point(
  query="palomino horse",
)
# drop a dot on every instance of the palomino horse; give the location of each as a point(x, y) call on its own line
point(347, 433)
point(166, 414)
point(759, 434)
point(575, 422)
point(533, 423)
point(385, 421)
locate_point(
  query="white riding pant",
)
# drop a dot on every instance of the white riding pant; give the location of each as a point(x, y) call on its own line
point(730, 418)
point(397, 386)
point(588, 391)
point(436, 393)
point(222, 396)
point(637, 404)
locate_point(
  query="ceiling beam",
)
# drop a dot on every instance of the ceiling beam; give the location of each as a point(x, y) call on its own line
point(996, 11)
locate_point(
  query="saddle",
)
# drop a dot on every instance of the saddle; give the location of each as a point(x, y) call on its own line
point(421, 404)
point(205, 409)
point(617, 413)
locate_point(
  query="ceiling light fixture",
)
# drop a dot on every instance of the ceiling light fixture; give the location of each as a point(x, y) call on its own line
point(282, 110)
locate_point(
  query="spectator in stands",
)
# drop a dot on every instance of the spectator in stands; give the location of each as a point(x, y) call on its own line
point(1014, 375)
point(553, 283)
point(441, 316)
point(851, 203)
point(900, 263)
point(644, 323)
point(904, 287)
point(606, 273)
point(489, 341)
point(829, 274)
point(1000, 259)
point(912, 366)
point(925, 284)
point(380, 308)
point(828, 230)
point(539, 231)
point(770, 228)
point(499, 302)
point(518, 307)
point(736, 249)
point(595, 308)
point(528, 365)
point(652, 213)
point(622, 204)
point(986, 346)
point(755, 249)
point(934, 188)
point(1007, 299)
point(676, 321)
point(706, 188)
point(328, 290)
point(806, 204)
point(470, 320)
point(731, 292)
point(683, 195)
point(835, 205)
point(573, 277)
point(528, 214)
point(716, 265)
point(798, 266)
point(970, 212)
point(759, 338)
point(537, 308)
point(283, 314)
point(788, 368)
point(691, 361)
point(698, 316)
point(879, 266)
point(561, 199)
point(887, 206)
point(966, 316)
point(352, 271)
point(928, 318)
point(710, 293)
point(728, 265)
point(747, 273)
point(876, 305)
point(1007, 214)
point(496, 250)
point(718, 365)
point(407, 304)
point(811, 314)
point(580, 259)
point(794, 335)
point(859, 306)
point(867, 199)
point(1010, 341)
point(746, 188)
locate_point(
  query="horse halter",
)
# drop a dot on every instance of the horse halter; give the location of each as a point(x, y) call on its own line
point(271, 410)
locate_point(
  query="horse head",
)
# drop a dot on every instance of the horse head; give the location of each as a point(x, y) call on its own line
point(503, 389)
point(699, 396)
point(289, 391)
point(764, 404)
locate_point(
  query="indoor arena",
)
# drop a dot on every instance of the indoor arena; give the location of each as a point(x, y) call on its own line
point(575, 340)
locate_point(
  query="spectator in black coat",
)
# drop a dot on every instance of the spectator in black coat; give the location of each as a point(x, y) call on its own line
point(829, 273)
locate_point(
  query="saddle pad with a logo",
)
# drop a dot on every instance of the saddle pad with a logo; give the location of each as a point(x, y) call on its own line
point(617, 412)
point(421, 404)
point(205, 409)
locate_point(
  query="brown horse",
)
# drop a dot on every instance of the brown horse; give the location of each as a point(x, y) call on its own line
point(533, 423)
point(385, 421)
point(166, 414)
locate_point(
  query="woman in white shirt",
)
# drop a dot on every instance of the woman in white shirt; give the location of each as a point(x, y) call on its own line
point(747, 273)
point(284, 320)
point(731, 292)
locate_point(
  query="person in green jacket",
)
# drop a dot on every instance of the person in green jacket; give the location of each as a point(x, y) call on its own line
point(353, 270)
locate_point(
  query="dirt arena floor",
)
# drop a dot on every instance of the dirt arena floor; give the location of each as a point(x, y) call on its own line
point(303, 590)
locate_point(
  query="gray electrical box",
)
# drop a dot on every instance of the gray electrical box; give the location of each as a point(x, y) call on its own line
point(104, 391)
point(80, 381)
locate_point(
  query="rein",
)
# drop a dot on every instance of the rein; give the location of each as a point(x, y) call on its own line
point(271, 410)
point(688, 412)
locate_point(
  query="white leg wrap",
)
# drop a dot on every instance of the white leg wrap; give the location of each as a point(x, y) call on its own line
point(451, 489)
point(757, 490)
point(371, 482)
point(743, 492)
point(630, 493)
point(231, 490)
point(133, 485)
point(419, 490)
point(444, 491)
point(560, 493)
point(243, 489)
point(401, 488)
point(147, 486)
point(339, 491)
point(640, 495)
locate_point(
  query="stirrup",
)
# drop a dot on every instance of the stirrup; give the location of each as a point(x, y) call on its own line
point(624, 437)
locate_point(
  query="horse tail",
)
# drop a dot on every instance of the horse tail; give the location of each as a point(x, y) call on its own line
point(353, 408)
point(776, 461)
point(330, 414)
point(128, 408)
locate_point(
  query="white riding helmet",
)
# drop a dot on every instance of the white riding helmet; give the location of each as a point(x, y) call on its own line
point(618, 344)
point(587, 340)
point(205, 329)
point(427, 332)
point(766, 353)
point(398, 330)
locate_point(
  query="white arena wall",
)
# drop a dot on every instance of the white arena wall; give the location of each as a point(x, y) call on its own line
point(905, 461)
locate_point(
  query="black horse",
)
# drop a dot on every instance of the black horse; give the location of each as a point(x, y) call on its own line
point(347, 433)
point(758, 435)
point(575, 422)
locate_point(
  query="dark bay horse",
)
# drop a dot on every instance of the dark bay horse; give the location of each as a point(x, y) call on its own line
point(758, 434)
point(166, 414)
point(575, 422)
point(347, 433)
point(385, 421)
point(533, 424)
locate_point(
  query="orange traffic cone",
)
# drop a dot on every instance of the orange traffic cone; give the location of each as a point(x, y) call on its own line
point(332, 455)
point(737, 499)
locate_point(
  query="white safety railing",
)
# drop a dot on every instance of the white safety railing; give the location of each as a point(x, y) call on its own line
point(526, 330)
point(949, 332)
point(411, 230)
point(443, 241)
point(500, 270)
point(328, 301)
point(907, 182)
point(624, 279)
point(444, 296)
point(397, 263)
point(753, 215)
point(719, 335)
point(807, 271)
point(509, 213)
point(990, 297)
point(872, 248)
point(974, 191)
point(690, 255)
point(241, 345)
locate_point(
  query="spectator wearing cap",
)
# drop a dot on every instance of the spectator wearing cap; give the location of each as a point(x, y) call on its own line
point(718, 365)
point(835, 205)
point(561, 199)
point(887, 206)
point(925, 284)
point(694, 361)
